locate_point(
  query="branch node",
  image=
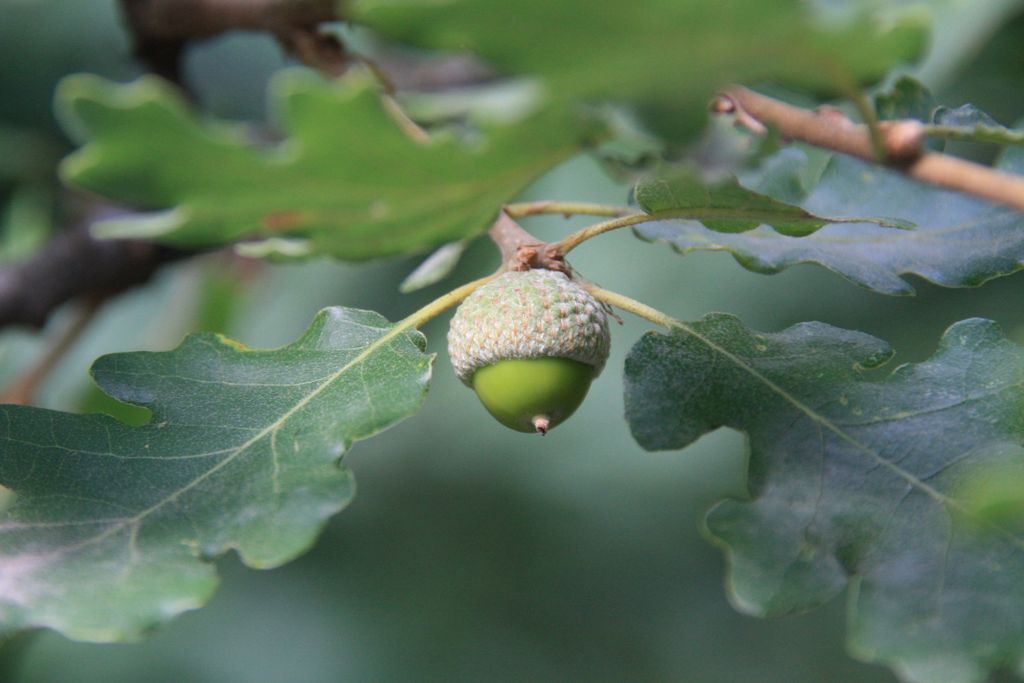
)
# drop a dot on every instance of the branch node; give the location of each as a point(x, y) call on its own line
point(904, 140)
point(725, 105)
point(834, 116)
point(902, 143)
point(521, 251)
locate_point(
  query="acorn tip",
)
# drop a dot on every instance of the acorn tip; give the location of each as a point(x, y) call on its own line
point(541, 423)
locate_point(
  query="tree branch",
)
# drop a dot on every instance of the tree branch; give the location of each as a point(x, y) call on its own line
point(162, 28)
point(521, 251)
point(190, 19)
point(72, 265)
point(903, 142)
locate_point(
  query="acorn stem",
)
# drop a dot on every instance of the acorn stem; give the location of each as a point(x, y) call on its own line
point(541, 423)
point(524, 209)
point(570, 242)
point(437, 307)
point(633, 306)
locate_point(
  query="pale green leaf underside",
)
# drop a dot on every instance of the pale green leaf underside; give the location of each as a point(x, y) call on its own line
point(907, 98)
point(726, 206)
point(112, 527)
point(855, 482)
point(967, 122)
point(346, 179)
point(434, 268)
point(957, 240)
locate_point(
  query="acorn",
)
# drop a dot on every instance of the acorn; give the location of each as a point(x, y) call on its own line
point(529, 343)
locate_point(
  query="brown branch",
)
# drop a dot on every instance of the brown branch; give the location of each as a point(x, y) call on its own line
point(73, 265)
point(189, 19)
point(903, 145)
point(522, 251)
point(162, 28)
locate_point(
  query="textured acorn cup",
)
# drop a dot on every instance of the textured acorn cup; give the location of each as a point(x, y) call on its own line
point(529, 343)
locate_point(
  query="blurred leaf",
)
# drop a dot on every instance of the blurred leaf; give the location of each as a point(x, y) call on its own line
point(346, 178)
point(222, 284)
point(277, 249)
point(852, 481)
point(994, 494)
point(961, 31)
point(497, 102)
point(434, 268)
point(958, 241)
point(630, 147)
point(26, 154)
point(908, 98)
point(967, 122)
point(26, 222)
point(113, 527)
point(661, 51)
point(728, 207)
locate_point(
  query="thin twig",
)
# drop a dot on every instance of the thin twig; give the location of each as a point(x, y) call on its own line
point(402, 120)
point(1005, 136)
point(902, 142)
point(570, 242)
point(567, 209)
point(24, 389)
point(875, 132)
point(439, 305)
point(625, 303)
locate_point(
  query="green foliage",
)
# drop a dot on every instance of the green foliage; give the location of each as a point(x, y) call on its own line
point(855, 481)
point(958, 241)
point(906, 99)
point(346, 180)
point(910, 99)
point(112, 527)
point(967, 122)
point(659, 52)
point(902, 491)
point(729, 207)
point(434, 268)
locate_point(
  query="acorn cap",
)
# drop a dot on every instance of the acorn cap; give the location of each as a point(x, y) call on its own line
point(537, 313)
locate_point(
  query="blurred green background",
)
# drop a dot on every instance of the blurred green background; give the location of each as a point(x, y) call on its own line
point(470, 552)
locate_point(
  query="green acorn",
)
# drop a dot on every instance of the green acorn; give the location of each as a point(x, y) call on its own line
point(529, 343)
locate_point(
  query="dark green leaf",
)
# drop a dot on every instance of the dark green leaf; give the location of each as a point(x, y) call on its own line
point(26, 221)
point(958, 241)
point(856, 483)
point(112, 527)
point(726, 206)
point(346, 179)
